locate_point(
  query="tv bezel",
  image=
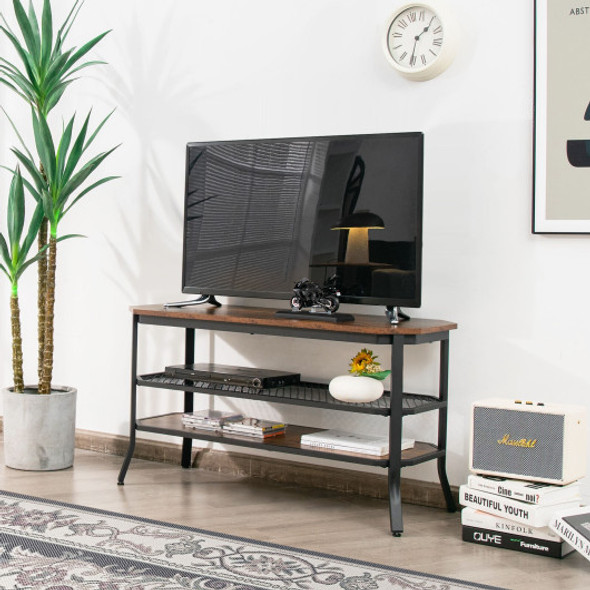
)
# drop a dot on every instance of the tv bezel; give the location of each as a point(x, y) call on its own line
point(414, 302)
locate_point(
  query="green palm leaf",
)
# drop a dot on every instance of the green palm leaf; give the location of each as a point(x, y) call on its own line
point(5, 252)
point(16, 212)
point(77, 149)
point(44, 143)
point(47, 34)
point(31, 168)
point(80, 177)
point(28, 25)
point(98, 128)
point(15, 251)
point(22, 53)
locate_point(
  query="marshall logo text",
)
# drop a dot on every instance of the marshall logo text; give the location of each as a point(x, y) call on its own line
point(527, 443)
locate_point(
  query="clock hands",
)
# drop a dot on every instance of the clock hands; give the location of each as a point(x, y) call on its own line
point(425, 30)
point(413, 56)
point(417, 38)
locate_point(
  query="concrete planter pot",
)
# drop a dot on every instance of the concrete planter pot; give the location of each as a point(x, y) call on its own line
point(39, 430)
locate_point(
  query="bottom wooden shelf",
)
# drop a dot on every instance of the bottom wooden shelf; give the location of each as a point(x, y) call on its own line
point(290, 442)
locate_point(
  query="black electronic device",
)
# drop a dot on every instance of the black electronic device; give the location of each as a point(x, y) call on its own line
point(240, 376)
point(262, 213)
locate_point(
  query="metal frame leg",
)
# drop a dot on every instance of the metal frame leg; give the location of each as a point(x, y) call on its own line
point(189, 359)
point(133, 413)
point(395, 437)
point(442, 424)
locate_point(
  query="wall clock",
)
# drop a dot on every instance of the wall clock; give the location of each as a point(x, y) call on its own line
point(420, 41)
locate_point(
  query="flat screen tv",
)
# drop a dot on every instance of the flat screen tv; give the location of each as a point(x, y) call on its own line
point(262, 214)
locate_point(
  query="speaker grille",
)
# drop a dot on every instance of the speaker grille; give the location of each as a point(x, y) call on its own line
point(545, 459)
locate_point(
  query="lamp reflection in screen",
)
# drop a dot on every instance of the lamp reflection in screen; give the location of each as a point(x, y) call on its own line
point(358, 225)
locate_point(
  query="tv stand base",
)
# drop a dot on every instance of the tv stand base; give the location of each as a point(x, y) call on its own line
point(396, 315)
point(197, 301)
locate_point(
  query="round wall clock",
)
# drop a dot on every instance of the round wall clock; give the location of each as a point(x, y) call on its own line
point(420, 41)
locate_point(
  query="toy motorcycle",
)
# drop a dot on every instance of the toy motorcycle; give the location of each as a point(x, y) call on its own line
point(321, 299)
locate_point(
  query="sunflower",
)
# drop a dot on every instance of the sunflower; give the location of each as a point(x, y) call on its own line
point(364, 364)
point(361, 361)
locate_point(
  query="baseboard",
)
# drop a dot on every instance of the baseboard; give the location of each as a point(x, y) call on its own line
point(269, 468)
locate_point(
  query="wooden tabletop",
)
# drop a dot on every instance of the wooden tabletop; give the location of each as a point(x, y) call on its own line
point(261, 316)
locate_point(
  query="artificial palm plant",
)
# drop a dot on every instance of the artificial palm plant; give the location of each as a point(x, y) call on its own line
point(57, 165)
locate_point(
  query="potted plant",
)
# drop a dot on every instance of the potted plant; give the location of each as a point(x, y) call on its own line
point(39, 421)
point(364, 383)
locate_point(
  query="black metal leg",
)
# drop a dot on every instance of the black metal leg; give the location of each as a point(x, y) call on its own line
point(189, 358)
point(133, 413)
point(395, 437)
point(442, 424)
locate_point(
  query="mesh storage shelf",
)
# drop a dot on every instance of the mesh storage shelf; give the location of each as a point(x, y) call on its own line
point(304, 394)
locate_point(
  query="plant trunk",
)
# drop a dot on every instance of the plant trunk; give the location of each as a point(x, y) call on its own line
point(47, 374)
point(17, 345)
point(41, 298)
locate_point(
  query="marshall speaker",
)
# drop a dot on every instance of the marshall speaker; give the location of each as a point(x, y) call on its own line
point(528, 440)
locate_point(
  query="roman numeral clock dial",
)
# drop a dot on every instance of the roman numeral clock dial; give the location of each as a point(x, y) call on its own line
point(420, 41)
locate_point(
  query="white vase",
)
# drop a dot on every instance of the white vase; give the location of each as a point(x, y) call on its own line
point(355, 389)
point(39, 430)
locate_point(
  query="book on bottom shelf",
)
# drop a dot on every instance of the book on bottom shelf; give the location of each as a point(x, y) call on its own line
point(340, 440)
point(532, 514)
point(531, 492)
point(209, 419)
point(573, 526)
point(254, 427)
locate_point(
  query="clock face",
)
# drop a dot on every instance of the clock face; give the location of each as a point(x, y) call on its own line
point(415, 39)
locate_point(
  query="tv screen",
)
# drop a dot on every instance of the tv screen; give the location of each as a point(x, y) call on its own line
point(261, 215)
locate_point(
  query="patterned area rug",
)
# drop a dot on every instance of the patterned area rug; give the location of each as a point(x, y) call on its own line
point(56, 546)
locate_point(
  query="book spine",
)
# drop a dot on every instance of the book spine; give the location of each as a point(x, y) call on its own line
point(508, 508)
point(501, 488)
point(336, 447)
point(515, 542)
point(569, 534)
point(259, 436)
point(521, 491)
point(254, 430)
point(330, 444)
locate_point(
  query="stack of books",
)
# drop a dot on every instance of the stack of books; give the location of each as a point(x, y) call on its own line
point(515, 514)
point(209, 419)
point(340, 440)
point(232, 423)
point(254, 427)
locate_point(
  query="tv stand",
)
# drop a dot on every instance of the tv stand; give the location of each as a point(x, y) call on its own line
point(197, 301)
point(396, 315)
point(262, 322)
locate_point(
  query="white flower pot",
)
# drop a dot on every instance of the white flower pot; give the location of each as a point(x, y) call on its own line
point(39, 430)
point(350, 388)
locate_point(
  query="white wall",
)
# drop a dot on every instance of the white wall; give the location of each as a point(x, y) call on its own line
point(188, 70)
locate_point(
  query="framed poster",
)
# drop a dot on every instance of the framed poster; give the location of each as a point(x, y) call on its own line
point(561, 178)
